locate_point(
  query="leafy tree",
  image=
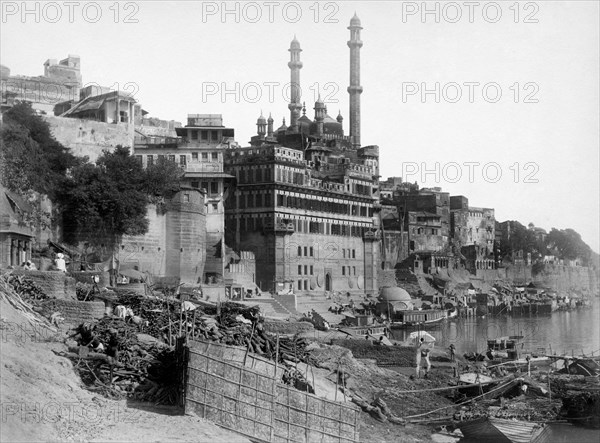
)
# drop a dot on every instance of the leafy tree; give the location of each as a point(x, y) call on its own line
point(569, 245)
point(100, 203)
point(162, 180)
point(31, 160)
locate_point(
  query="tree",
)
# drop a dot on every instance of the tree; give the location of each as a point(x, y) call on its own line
point(569, 245)
point(162, 180)
point(31, 160)
point(100, 203)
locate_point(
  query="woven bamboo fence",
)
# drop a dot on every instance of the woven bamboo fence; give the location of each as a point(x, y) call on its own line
point(242, 392)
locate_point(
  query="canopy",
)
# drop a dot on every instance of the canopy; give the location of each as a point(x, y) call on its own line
point(428, 338)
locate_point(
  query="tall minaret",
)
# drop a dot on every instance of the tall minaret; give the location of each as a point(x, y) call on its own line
point(295, 65)
point(320, 112)
point(270, 126)
point(355, 89)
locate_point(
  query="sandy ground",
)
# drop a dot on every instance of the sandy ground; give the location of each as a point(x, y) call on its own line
point(42, 399)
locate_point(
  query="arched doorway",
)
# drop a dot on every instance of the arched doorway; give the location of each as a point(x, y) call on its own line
point(328, 282)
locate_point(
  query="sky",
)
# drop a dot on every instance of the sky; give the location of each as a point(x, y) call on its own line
point(496, 101)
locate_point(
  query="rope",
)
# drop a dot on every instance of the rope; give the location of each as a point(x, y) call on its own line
point(449, 388)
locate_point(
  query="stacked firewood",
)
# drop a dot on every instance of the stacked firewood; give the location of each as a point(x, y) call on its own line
point(150, 372)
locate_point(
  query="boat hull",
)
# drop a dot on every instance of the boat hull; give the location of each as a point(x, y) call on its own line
point(503, 430)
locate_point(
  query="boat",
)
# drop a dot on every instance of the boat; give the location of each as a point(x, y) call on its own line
point(413, 318)
point(502, 430)
point(470, 378)
point(374, 331)
point(504, 347)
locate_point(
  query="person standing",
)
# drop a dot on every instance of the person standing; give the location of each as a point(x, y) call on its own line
point(423, 353)
point(452, 350)
point(60, 262)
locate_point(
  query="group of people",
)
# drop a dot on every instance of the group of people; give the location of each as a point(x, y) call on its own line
point(60, 264)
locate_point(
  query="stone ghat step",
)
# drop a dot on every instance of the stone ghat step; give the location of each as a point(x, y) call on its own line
point(330, 317)
point(268, 308)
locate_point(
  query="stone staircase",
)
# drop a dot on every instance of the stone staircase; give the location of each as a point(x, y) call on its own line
point(329, 317)
point(270, 307)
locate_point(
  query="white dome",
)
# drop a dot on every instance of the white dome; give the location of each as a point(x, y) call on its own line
point(391, 294)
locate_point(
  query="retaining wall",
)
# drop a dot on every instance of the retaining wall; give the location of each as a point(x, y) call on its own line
point(54, 284)
point(76, 312)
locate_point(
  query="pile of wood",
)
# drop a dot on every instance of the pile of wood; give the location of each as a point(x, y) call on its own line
point(148, 369)
point(14, 289)
point(227, 323)
point(141, 369)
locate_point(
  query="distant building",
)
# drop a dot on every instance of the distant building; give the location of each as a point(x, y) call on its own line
point(61, 82)
point(471, 225)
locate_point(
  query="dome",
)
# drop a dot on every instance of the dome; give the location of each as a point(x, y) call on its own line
point(392, 294)
point(261, 120)
point(282, 128)
point(304, 124)
point(4, 71)
point(355, 21)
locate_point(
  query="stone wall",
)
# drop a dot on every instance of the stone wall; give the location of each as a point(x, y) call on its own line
point(147, 252)
point(86, 137)
point(387, 278)
point(558, 277)
point(54, 284)
point(76, 312)
point(186, 236)
point(175, 244)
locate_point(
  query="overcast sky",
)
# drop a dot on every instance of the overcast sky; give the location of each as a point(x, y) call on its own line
point(511, 116)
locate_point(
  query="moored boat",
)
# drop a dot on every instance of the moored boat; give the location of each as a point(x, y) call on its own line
point(413, 318)
point(502, 430)
point(375, 331)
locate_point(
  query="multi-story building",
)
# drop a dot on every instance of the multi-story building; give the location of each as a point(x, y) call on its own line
point(306, 196)
point(199, 149)
point(471, 225)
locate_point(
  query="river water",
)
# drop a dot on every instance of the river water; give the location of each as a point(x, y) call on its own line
point(576, 331)
point(562, 332)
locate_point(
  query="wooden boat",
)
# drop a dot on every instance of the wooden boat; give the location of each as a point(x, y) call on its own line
point(469, 378)
point(363, 331)
point(414, 318)
point(504, 347)
point(502, 430)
